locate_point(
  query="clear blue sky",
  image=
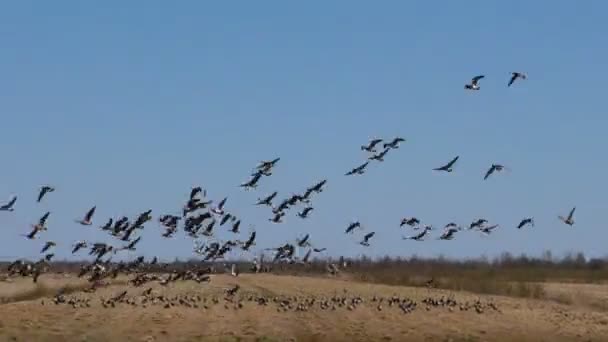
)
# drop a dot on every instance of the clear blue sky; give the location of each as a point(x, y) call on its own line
point(126, 105)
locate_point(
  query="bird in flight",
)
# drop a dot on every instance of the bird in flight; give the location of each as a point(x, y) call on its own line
point(492, 169)
point(568, 220)
point(394, 143)
point(43, 191)
point(9, 206)
point(528, 220)
point(366, 238)
point(474, 83)
point(370, 147)
point(515, 75)
point(359, 170)
point(447, 167)
point(86, 220)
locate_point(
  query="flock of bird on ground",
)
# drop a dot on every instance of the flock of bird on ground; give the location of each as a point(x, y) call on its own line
point(201, 216)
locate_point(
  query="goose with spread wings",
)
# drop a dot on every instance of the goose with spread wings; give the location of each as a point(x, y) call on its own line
point(359, 170)
point(515, 75)
point(9, 206)
point(447, 167)
point(570, 219)
point(474, 85)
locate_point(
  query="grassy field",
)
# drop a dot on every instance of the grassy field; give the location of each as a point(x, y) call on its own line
point(270, 307)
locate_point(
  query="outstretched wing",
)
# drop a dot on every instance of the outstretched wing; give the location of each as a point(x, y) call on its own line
point(513, 78)
point(476, 79)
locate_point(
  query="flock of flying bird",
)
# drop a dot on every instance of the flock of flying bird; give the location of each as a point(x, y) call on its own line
point(200, 216)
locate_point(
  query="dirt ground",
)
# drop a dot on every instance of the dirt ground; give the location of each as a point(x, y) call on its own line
point(190, 311)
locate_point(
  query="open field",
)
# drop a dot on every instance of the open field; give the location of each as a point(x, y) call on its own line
point(189, 311)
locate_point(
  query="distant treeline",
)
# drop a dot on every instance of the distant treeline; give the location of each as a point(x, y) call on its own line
point(571, 267)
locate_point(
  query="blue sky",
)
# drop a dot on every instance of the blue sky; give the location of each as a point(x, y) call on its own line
point(126, 105)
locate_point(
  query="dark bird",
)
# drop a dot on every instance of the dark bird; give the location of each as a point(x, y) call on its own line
point(488, 229)
point(47, 245)
point(570, 219)
point(526, 221)
point(304, 213)
point(478, 223)
point(410, 221)
point(351, 227)
point(447, 167)
point(267, 200)
point(267, 164)
point(277, 217)
point(79, 245)
point(366, 238)
point(131, 245)
point(226, 218)
point(108, 225)
point(304, 242)
point(448, 233)
point(43, 191)
point(474, 83)
point(370, 147)
point(420, 236)
point(394, 143)
point(318, 188)
point(319, 250)
point(41, 225)
point(9, 206)
point(492, 169)
point(250, 242)
point(197, 190)
point(379, 156)
point(252, 183)
point(515, 75)
point(86, 221)
point(359, 170)
point(219, 210)
point(235, 227)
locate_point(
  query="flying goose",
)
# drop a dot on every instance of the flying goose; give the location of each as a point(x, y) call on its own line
point(250, 242)
point(359, 170)
point(570, 219)
point(528, 220)
point(410, 221)
point(303, 242)
point(488, 229)
point(419, 236)
point(267, 164)
point(370, 147)
point(267, 200)
point(277, 217)
point(9, 206)
point(79, 245)
point(219, 210)
point(47, 245)
point(394, 143)
point(43, 191)
point(515, 75)
point(366, 238)
point(235, 227)
point(252, 182)
point(351, 227)
point(474, 83)
point(478, 223)
point(86, 221)
point(304, 213)
point(197, 190)
point(379, 156)
point(448, 233)
point(492, 169)
point(447, 167)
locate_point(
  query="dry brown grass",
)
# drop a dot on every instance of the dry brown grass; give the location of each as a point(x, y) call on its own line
point(519, 319)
